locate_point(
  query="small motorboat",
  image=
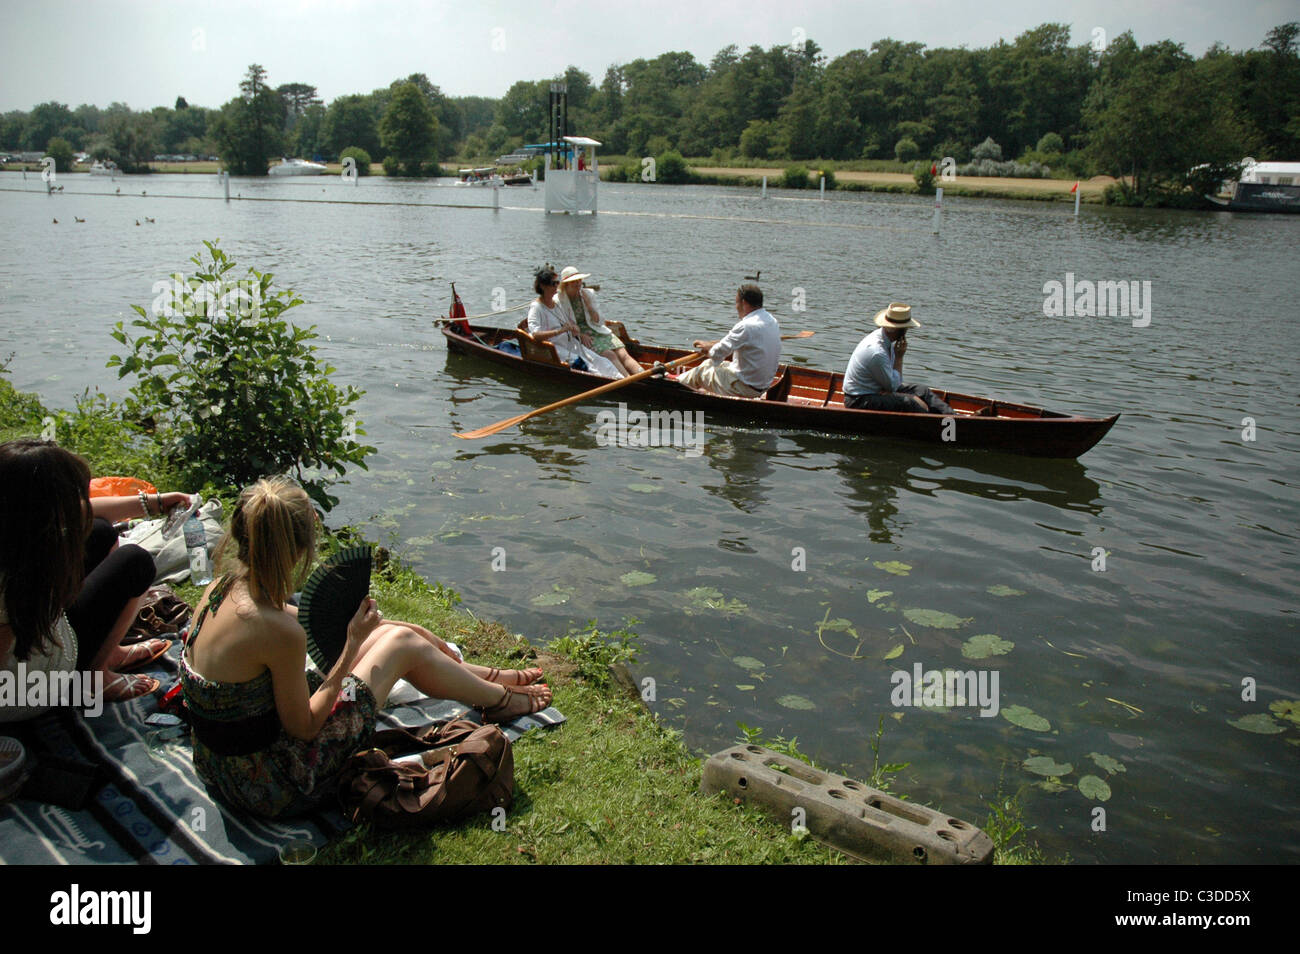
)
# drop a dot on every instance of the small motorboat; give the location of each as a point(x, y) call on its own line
point(297, 167)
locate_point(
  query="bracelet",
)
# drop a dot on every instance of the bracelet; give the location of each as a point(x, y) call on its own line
point(158, 498)
point(143, 506)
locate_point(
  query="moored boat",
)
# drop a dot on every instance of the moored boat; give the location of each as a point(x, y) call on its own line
point(801, 398)
point(1263, 187)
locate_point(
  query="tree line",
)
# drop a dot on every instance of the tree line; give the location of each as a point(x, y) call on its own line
point(1148, 113)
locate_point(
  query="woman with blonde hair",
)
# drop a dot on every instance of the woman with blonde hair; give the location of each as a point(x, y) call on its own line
point(270, 737)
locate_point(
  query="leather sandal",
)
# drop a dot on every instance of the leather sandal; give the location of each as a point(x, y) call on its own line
point(539, 701)
point(126, 686)
point(141, 654)
point(529, 676)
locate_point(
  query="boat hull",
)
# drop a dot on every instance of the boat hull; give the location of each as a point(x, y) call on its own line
point(811, 400)
point(1260, 197)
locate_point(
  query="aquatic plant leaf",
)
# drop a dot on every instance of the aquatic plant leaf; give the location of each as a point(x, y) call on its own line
point(1288, 709)
point(553, 598)
point(1026, 718)
point(1090, 786)
point(745, 688)
point(986, 645)
point(748, 662)
point(637, 578)
point(1261, 723)
point(837, 626)
point(1001, 589)
point(873, 595)
point(895, 652)
point(935, 619)
point(1051, 785)
point(795, 702)
point(1107, 764)
point(1046, 765)
point(893, 566)
point(643, 488)
point(702, 593)
point(704, 598)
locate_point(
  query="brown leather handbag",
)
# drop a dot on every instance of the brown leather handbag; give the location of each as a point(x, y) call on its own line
point(162, 613)
point(463, 769)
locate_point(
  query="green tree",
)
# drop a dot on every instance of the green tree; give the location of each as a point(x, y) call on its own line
point(247, 130)
point(351, 121)
point(409, 130)
point(44, 123)
point(61, 151)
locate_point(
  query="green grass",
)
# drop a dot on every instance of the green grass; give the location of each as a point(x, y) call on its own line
point(612, 785)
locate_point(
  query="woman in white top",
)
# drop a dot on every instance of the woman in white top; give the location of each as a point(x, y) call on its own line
point(54, 616)
point(548, 320)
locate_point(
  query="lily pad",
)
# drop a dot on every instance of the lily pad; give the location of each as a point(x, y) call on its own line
point(637, 578)
point(1026, 718)
point(935, 619)
point(1051, 785)
point(1046, 765)
point(1090, 786)
point(643, 488)
point(873, 595)
point(745, 688)
point(706, 598)
point(553, 598)
point(748, 662)
point(893, 566)
point(1001, 589)
point(795, 702)
point(1107, 764)
point(895, 652)
point(986, 645)
point(1288, 709)
point(1261, 723)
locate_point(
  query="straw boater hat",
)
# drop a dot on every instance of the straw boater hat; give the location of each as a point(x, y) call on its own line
point(897, 315)
point(571, 274)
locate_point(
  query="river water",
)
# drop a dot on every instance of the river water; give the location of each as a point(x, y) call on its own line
point(1143, 598)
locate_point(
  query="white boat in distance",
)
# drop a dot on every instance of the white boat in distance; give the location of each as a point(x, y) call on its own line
point(486, 176)
point(105, 167)
point(297, 167)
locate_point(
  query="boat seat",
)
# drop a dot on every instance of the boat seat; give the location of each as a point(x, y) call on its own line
point(620, 329)
point(836, 380)
point(534, 350)
point(780, 388)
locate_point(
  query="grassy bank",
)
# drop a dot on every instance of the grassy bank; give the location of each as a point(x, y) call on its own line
point(611, 785)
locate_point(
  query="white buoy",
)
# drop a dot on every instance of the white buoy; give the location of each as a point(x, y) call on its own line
point(938, 207)
point(765, 187)
point(1076, 200)
point(225, 177)
point(823, 187)
point(496, 196)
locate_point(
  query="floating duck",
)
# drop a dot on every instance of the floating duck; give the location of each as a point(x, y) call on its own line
point(56, 221)
point(119, 191)
point(149, 220)
point(75, 219)
point(754, 277)
point(137, 221)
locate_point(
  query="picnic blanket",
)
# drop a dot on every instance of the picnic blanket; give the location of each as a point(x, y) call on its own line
point(154, 809)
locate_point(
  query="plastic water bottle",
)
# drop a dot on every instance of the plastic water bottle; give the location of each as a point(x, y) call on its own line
point(196, 542)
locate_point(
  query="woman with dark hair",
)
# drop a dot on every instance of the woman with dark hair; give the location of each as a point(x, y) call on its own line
point(68, 592)
point(269, 737)
point(549, 320)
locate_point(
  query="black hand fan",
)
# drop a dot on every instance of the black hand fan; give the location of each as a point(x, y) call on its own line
point(329, 601)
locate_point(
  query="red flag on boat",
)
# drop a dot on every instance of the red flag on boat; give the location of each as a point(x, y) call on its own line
point(1074, 188)
point(458, 312)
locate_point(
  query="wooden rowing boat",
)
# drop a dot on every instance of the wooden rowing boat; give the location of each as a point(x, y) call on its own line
point(804, 399)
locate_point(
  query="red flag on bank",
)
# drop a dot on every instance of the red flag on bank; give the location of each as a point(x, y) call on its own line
point(934, 170)
point(1074, 188)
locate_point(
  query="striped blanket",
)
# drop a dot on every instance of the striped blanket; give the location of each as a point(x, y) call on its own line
point(154, 809)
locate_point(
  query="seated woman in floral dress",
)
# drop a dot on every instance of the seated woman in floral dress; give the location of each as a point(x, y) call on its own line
point(594, 333)
point(267, 737)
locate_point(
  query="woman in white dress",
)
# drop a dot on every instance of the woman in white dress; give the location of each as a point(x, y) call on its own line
point(548, 320)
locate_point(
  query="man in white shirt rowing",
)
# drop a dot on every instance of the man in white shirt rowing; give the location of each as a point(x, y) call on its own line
point(874, 379)
point(753, 345)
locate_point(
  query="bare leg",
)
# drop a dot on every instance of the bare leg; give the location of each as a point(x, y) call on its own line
point(401, 652)
point(620, 356)
point(110, 653)
point(502, 677)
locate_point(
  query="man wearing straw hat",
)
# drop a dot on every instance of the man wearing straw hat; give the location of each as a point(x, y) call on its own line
point(874, 378)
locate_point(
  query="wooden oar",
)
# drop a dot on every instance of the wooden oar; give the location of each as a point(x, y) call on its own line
point(603, 389)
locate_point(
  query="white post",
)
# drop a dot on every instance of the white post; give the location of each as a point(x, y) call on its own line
point(496, 197)
point(764, 187)
point(823, 187)
point(1076, 200)
point(938, 207)
point(225, 176)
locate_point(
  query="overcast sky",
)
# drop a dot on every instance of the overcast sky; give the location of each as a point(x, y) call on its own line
point(147, 53)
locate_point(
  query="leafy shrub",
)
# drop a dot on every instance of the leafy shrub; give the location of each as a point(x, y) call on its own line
point(392, 167)
point(988, 149)
point(905, 150)
point(991, 167)
point(361, 156)
point(924, 178)
point(1051, 143)
point(670, 167)
point(757, 140)
point(594, 652)
point(795, 177)
point(61, 151)
point(233, 391)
